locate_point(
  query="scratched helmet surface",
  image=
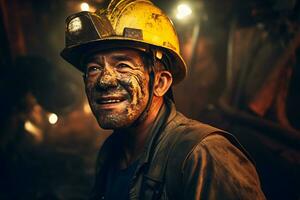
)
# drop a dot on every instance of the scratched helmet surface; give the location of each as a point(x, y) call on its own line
point(125, 23)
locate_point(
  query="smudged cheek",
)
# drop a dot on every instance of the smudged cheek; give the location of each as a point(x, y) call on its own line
point(136, 86)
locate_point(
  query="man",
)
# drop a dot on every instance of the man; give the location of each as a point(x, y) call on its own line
point(129, 54)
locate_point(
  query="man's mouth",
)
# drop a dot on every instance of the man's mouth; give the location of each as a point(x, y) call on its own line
point(109, 100)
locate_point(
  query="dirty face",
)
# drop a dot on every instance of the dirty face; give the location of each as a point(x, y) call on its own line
point(116, 84)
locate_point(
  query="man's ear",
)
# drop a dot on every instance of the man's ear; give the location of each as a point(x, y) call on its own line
point(163, 81)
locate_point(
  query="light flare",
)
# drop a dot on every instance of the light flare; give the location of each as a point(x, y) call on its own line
point(183, 11)
point(33, 130)
point(53, 118)
point(85, 6)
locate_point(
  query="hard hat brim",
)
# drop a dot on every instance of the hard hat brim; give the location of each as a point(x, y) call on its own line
point(74, 54)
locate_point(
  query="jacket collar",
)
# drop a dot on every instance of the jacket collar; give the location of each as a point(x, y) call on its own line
point(166, 113)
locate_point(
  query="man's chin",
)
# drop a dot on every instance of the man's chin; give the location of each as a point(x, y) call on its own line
point(112, 124)
point(108, 126)
point(111, 119)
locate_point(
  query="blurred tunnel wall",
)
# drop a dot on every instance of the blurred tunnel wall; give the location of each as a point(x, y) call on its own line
point(244, 77)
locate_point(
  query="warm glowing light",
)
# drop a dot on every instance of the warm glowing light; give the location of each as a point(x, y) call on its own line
point(33, 130)
point(85, 7)
point(52, 118)
point(183, 11)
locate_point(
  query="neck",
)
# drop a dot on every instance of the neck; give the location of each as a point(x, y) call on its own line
point(136, 137)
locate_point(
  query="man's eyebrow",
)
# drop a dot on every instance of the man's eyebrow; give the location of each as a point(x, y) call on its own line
point(123, 57)
point(116, 57)
point(94, 59)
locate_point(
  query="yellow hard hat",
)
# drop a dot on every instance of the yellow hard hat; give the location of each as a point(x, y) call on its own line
point(125, 23)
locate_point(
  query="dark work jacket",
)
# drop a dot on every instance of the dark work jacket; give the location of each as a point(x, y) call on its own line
point(184, 159)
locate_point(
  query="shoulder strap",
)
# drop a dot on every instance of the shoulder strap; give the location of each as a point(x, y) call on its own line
point(153, 180)
point(154, 172)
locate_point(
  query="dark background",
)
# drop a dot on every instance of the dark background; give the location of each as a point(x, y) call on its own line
point(244, 77)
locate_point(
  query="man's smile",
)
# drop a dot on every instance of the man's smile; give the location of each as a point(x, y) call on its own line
point(110, 101)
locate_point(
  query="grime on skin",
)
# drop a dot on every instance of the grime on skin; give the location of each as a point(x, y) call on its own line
point(116, 84)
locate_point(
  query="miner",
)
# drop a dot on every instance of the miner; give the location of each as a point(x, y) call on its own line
point(129, 55)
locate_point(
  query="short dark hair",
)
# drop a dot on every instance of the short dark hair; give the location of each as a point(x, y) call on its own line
point(150, 60)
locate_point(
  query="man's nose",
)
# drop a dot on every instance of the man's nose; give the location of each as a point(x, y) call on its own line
point(107, 79)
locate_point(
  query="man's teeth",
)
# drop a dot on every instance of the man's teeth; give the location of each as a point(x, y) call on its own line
point(111, 101)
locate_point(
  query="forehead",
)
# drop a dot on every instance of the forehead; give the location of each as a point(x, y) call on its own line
point(116, 55)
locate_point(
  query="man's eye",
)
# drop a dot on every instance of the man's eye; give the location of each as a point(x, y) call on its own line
point(93, 70)
point(123, 66)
